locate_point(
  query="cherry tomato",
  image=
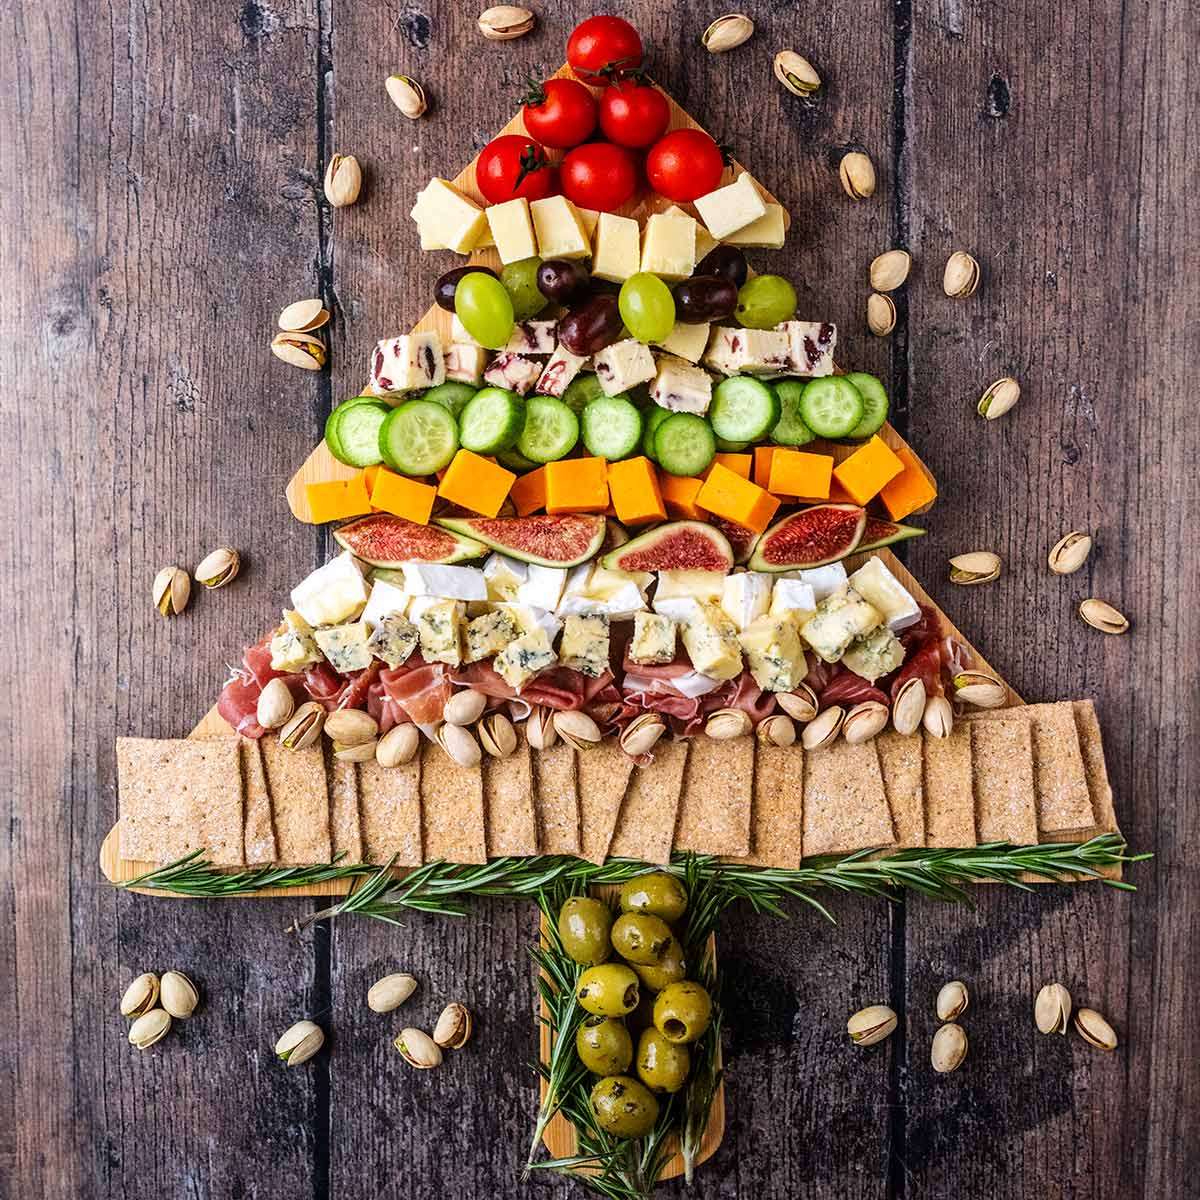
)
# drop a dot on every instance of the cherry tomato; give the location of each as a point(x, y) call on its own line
point(560, 113)
point(599, 175)
point(510, 166)
point(633, 113)
point(684, 165)
point(601, 47)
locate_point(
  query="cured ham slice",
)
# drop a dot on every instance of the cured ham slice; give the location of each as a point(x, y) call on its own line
point(419, 689)
point(238, 704)
point(847, 688)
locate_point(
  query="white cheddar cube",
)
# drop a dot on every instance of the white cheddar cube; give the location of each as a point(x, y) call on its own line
point(731, 208)
point(879, 587)
point(533, 337)
point(560, 233)
point(464, 364)
point(686, 341)
point(559, 371)
point(332, 594)
point(444, 215)
point(745, 597)
point(403, 364)
point(512, 230)
point(704, 240)
point(767, 232)
point(448, 583)
point(669, 246)
point(617, 254)
point(589, 218)
point(386, 600)
point(681, 387)
point(810, 346)
point(624, 365)
point(512, 371)
point(711, 641)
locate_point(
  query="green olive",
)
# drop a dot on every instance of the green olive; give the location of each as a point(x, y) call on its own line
point(584, 925)
point(682, 1012)
point(604, 1045)
point(640, 938)
point(609, 990)
point(669, 969)
point(623, 1106)
point(661, 1065)
point(659, 894)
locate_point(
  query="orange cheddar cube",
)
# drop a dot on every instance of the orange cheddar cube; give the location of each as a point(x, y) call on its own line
point(762, 464)
point(679, 495)
point(636, 496)
point(402, 496)
point(528, 494)
point(837, 493)
point(910, 490)
point(369, 475)
point(794, 473)
point(477, 483)
point(739, 464)
point(865, 472)
point(728, 495)
point(337, 498)
point(577, 485)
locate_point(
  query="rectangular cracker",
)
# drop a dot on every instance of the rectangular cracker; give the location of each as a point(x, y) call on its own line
point(604, 774)
point(451, 808)
point(345, 824)
point(900, 761)
point(556, 798)
point(510, 820)
point(716, 800)
point(949, 789)
point(176, 796)
point(1002, 767)
point(260, 844)
point(389, 805)
point(845, 806)
point(646, 822)
point(778, 807)
point(1091, 746)
point(299, 801)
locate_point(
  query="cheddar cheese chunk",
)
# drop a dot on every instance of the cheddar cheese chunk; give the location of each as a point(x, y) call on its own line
point(577, 485)
point(403, 497)
point(528, 494)
point(728, 495)
point(337, 498)
point(679, 495)
point(868, 469)
point(477, 483)
point(636, 496)
point(794, 473)
point(910, 490)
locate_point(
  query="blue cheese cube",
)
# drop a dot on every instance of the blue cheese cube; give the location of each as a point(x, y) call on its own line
point(465, 364)
point(875, 654)
point(403, 364)
point(530, 619)
point(559, 371)
point(878, 586)
point(293, 648)
point(711, 640)
point(584, 644)
point(686, 341)
point(532, 337)
point(523, 658)
point(439, 631)
point(346, 647)
point(393, 640)
point(774, 654)
point(512, 371)
point(653, 638)
point(839, 619)
point(810, 347)
point(488, 634)
point(681, 387)
point(624, 365)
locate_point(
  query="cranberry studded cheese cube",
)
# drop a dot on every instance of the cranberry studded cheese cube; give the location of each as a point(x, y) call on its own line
point(403, 364)
point(559, 371)
point(624, 365)
point(512, 371)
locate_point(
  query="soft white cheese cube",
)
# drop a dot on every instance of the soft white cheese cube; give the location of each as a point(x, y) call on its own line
point(619, 604)
point(680, 609)
point(512, 230)
point(731, 208)
point(616, 256)
point(810, 346)
point(624, 365)
point(686, 341)
point(879, 587)
point(465, 363)
point(767, 232)
point(445, 216)
point(824, 581)
point(459, 333)
point(710, 639)
point(745, 597)
point(704, 240)
point(346, 647)
point(560, 233)
point(333, 593)
point(669, 246)
point(543, 588)
point(706, 587)
point(403, 364)
point(533, 337)
point(530, 619)
point(559, 371)
point(794, 599)
point(386, 600)
point(653, 638)
point(512, 371)
point(604, 581)
point(449, 583)
point(502, 576)
point(681, 387)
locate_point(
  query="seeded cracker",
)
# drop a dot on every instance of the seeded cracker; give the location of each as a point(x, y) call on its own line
point(900, 760)
point(451, 808)
point(647, 820)
point(510, 819)
point(260, 833)
point(390, 812)
point(714, 807)
point(845, 806)
point(557, 799)
point(604, 774)
point(1092, 748)
point(778, 807)
point(1002, 764)
point(949, 792)
point(299, 801)
point(345, 828)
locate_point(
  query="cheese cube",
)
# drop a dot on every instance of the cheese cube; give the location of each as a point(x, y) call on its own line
point(346, 646)
point(448, 583)
point(293, 648)
point(653, 638)
point(624, 365)
point(533, 620)
point(336, 499)
point(868, 469)
point(588, 218)
point(393, 640)
point(465, 363)
point(559, 371)
point(681, 387)
point(488, 634)
point(512, 371)
point(403, 364)
point(705, 241)
point(560, 233)
point(810, 346)
point(793, 599)
point(533, 337)
point(502, 576)
point(439, 631)
point(386, 600)
point(875, 654)
point(767, 232)
point(577, 485)
point(634, 490)
point(824, 581)
point(584, 645)
point(745, 597)
point(528, 494)
point(512, 230)
point(724, 350)
point(733, 461)
point(731, 208)
point(686, 341)
point(879, 587)
point(543, 588)
point(702, 587)
point(910, 490)
point(331, 594)
point(839, 619)
point(798, 473)
point(606, 581)
point(523, 658)
point(617, 248)
point(679, 494)
point(476, 483)
point(774, 654)
point(446, 217)
point(669, 246)
point(751, 351)
point(459, 333)
point(619, 605)
point(726, 494)
point(710, 639)
point(402, 496)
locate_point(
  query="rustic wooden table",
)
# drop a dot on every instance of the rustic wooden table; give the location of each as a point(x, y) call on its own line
point(163, 202)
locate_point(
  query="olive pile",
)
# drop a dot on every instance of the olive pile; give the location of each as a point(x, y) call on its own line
point(643, 937)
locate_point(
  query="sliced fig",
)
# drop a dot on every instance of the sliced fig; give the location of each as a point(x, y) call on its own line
point(383, 540)
point(673, 546)
point(811, 537)
point(615, 535)
point(883, 533)
point(741, 540)
point(549, 541)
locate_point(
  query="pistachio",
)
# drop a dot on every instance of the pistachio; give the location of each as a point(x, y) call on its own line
point(961, 276)
point(999, 398)
point(453, 1028)
point(418, 1049)
point(641, 735)
point(577, 729)
point(343, 180)
point(949, 1048)
point(952, 1000)
point(857, 173)
point(1069, 553)
point(796, 73)
point(351, 726)
point(497, 735)
point(300, 1043)
point(980, 689)
point(938, 717)
point(881, 314)
point(980, 566)
point(390, 992)
point(1095, 1030)
point(303, 316)
point(179, 995)
point(397, 746)
point(218, 568)
point(776, 730)
point(465, 707)
point(140, 996)
point(149, 1028)
point(355, 752)
point(909, 707)
point(1052, 1009)
point(864, 721)
point(823, 729)
point(303, 728)
point(539, 728)
point(800, 704)
point(728, 723)
point(407, 95)
point(890, 269)
point(727, 33)
point(1101, 615)
point(275, 704)
point(871, 1025)
point(459, 745)
point(503, 22)
point(172, 588)
point(299, 350)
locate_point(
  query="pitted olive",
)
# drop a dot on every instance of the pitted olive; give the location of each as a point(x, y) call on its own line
point(604, 1045)
point(641, 938)
point(658, 894)
point(584, 925)
point(609, 990)
point(682, 1012)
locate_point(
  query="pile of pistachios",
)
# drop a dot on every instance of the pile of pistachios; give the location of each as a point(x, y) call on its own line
point(172, 587)
point(152, 1004)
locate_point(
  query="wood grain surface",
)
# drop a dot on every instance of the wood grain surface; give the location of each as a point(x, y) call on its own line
point(162, 204)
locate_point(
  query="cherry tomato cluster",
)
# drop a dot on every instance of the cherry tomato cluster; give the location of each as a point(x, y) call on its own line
point(609, 140)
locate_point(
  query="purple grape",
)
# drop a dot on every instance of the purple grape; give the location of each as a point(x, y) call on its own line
point(444, 289)
point(592, 326)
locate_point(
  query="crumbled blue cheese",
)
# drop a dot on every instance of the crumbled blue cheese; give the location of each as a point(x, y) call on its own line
point(522, 659)
point(584, 644)
point(839, 619)
point(774, 654)
point(293, 648)
point(710, 638)
point(512, 371)
point(439, 630)
point(488, 634)
point(681, 387)
point(624, 365)
point(875, 654)
point(559, 371)
point(346, 647)
point(532, 337)
point(653, 638)
point(393, 640)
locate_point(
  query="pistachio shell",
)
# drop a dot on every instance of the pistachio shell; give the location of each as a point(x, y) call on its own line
point(390, 992)
point(497, 735)
point(218, 568)
point(356, 752)
point(398, 746)
point(952, 1000)
point(303, 728)
point(1095, 1030)
point(938, 717)
point(275, 704)
point(459, 745)
point(799, 704)
point(453, 1028)
point(961, 276)
point(140, 996)
point(890, 269)
point(407, 95)
point(299, 350)
point(857, 173)
point(909, 707)
point(577, 729)
point(728, 723)
point(351, 726)
point(150, 1027)
point(823, 729)
point(418, 1049)
point(881, 314)
point(642, 734)
point(171, 591)
point(979, 566)
point(539, 728)
point(179, 995)
point(465, 707)
point(980, 689)
point(727, 33)
point(998, 398)
point(776, 730)
point(871, 1025)
point(300, 1043)
point(1101, 615)
point(949, 1048)
point(503, 22)
point(303, 316)
point(343, 180)
point(796, 73)
point(1052, 1008)
point(864, 721)
point(1069, 553)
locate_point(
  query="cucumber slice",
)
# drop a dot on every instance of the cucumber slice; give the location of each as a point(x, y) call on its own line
point(582, 390)
point(418, 438)
point(790, 429)
point(514, 460)
point(352, 432)
point(452, 395)
point(684, 444)
point(831, 406)
point(743, 409)
point(551, 430)
point(875, 405)
point(724, 446)
point(492, 420)
point(611, 427)
point(654, 418)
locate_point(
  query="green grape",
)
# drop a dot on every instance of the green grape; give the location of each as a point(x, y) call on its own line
point(647, 307)
point(485, 309)
point(765, 301)
point(520, 281)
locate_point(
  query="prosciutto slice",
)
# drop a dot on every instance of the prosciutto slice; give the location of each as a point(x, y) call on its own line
point(238, 704)
point(847, 688)
point(419, 689)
